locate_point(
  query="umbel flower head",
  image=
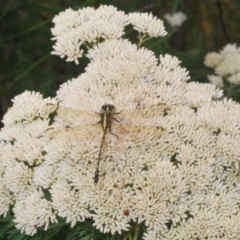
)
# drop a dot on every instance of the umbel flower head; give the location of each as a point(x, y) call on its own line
point(167, 149)
point(75, 31)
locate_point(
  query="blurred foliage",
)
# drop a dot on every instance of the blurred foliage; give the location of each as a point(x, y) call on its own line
point(26, 63)
point(62, 231)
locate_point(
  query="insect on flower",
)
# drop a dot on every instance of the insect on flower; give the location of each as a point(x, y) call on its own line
point(126, 212)
point(106, 121)
point(66, 118)
point(87, 132)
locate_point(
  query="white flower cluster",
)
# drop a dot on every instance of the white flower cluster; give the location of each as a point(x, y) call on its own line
point(169, 159)
point(22, 147)
point(225, 64)
point(176, 19)
point(147, 23)
point(75, 30)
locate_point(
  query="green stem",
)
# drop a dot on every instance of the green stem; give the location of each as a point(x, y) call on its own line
point(229, 90)
point(137, 228)
point(35, 27)
point(5, 10)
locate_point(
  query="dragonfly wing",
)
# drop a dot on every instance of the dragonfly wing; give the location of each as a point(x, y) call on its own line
point(151, 116)
point(67, 116)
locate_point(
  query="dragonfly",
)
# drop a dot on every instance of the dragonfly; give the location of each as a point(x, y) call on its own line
point(106, 115)
point(123, 122)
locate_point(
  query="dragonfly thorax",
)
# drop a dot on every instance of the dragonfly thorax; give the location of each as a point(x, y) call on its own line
point(106, 116)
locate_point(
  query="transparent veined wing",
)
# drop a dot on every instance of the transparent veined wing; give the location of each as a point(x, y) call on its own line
point(107, 148)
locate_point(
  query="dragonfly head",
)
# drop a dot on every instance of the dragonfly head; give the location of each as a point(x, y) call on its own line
point(107, 108)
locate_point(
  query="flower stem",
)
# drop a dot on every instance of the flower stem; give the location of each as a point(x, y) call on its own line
point(136, 231)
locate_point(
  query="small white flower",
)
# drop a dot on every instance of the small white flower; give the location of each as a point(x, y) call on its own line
point(69, 203)
point(87, 26)
point(212, 59)
point(216, 80)
point(17, 177)
point(176, 19)
point(28, 107)
point(68, 45)
point(147, 23)
point(44, 175)
point(33, 211)
point(6, 199)
point(225, 63)
point(235, 79)
point(199, 94)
